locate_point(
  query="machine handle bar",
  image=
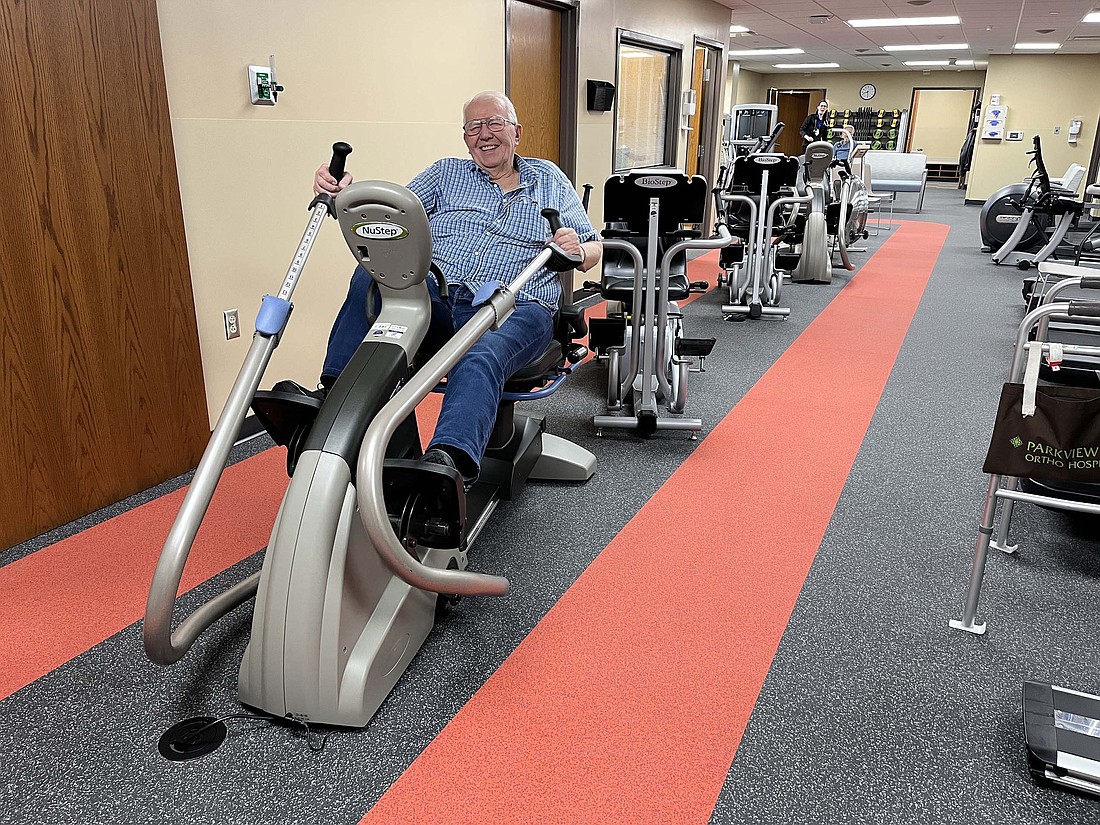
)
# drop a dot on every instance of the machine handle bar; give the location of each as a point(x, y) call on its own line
point(372, 454)
point(162, 645)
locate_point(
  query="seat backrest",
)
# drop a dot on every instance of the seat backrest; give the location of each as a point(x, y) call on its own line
point(1073, 178)
point(748, 172)
point(626, 198)
point(897, 165)
point(819, 155)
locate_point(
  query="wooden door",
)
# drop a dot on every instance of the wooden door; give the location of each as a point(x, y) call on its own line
point(793, 108)
point(101, 383)
point(695, 122)
point(534, 77)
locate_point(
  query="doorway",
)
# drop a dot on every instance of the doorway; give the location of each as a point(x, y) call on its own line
point(703, 122)
point(794, 106)
point(939, 120)
point(706, 86)
point(541, 70)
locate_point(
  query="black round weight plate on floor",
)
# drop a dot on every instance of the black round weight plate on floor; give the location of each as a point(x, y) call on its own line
point(192, 738)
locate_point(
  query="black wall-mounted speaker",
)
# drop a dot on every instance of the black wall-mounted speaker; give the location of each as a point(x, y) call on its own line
point(601, 95)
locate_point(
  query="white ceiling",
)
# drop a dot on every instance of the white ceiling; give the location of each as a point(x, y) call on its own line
point(988, 27)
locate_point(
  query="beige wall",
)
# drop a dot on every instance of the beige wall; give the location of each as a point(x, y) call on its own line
point(679, 22)
point(893, 90)
point(371, 74)
point(750, 87)
point(1041, 92)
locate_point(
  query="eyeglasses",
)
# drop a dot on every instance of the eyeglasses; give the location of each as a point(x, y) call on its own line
point(495, 124)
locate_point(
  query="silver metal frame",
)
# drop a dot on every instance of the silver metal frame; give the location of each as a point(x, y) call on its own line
point(758, 255)
point(1008, 489)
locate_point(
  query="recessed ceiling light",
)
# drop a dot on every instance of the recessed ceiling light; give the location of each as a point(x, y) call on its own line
point(738, 29)
point(927, 62)
point(971, 62)
point(880, 22)
point(1040, 47)
point(763, 52)
point(806, 66)
point(939, 47)
point(1091, 17)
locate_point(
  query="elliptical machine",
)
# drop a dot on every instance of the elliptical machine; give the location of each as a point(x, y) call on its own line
point(367, 540)
point(838, 212)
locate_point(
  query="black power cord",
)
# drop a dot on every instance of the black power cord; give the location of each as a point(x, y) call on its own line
point(200, 735)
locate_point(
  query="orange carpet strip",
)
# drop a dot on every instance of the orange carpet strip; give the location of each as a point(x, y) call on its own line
point(627, 702)
point(60, 601)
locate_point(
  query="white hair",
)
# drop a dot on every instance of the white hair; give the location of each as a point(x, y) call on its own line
point(498, 97)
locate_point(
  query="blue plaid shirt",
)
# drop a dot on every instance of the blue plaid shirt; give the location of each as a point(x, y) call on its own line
point(481, 234)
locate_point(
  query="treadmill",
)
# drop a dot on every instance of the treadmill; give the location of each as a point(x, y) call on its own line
point(1062, 732)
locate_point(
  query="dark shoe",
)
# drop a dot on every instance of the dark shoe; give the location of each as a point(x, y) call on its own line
point(438, 456)
point(295, 388)
point(443, 455)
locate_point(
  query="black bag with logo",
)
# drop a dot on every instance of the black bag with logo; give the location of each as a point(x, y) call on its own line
point(1059, 441)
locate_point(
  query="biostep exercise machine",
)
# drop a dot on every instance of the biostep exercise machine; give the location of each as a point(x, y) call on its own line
point(648, 217)
point(760, 208)
point(367, 540)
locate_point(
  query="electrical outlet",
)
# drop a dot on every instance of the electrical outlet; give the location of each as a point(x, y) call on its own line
point(232, 324)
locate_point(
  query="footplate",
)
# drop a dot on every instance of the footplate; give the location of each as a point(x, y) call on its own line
point(694, 347)
point(606, 333)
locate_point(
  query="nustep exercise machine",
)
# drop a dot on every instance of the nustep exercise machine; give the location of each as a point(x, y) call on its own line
point(367, 539)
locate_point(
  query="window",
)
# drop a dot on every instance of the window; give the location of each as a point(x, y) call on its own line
point(645, 120)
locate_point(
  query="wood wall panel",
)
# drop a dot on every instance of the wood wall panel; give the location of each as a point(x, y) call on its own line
point(101, 372)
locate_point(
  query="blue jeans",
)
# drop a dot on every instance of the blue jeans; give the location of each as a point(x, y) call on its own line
point(476, 382)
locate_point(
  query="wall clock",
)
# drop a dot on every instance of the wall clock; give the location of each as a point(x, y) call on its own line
point(867, 91)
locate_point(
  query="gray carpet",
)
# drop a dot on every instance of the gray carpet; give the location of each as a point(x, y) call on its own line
point(874, 711)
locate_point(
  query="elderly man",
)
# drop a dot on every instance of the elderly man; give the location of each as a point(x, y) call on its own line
point(484, 214)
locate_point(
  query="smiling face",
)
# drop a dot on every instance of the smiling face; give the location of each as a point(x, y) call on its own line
point(495, 152)
point(822, 109)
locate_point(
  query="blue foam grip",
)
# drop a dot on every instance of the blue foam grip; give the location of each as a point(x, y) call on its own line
point(273, 315)
point(485, 292)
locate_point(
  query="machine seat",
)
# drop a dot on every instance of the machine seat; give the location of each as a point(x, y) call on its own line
point(617, 281)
